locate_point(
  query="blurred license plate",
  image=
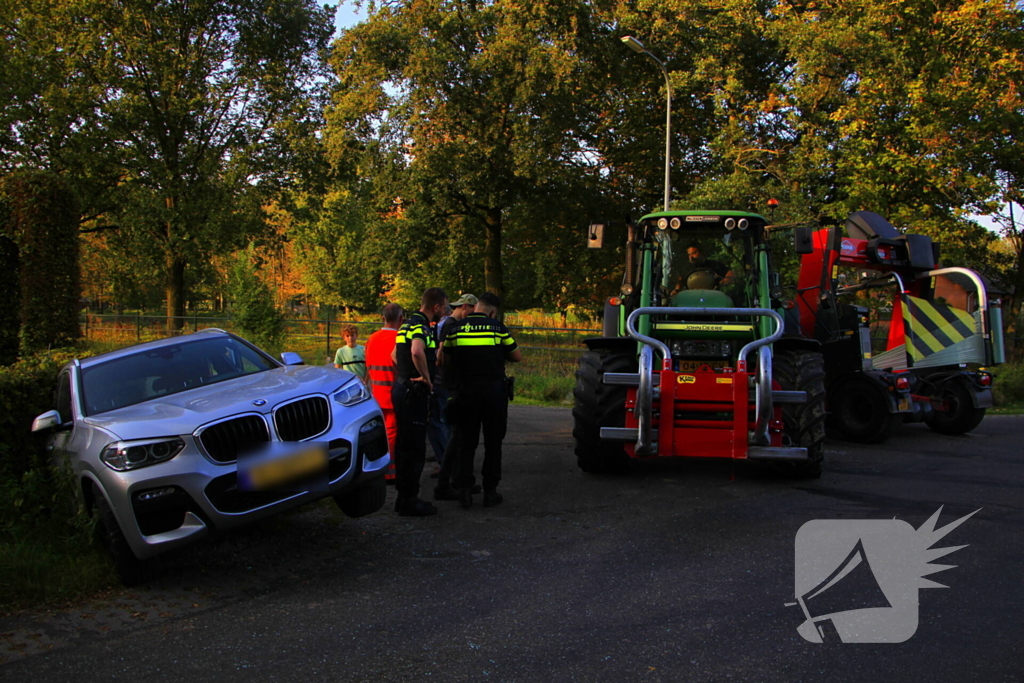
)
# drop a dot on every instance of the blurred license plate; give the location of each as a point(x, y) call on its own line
point(694, 365)
point(904, 404)
point(287, 468)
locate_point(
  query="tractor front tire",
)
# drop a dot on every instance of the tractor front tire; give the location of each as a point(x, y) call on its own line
point(859, 412)
point(803, 423)
point(961, 416)
point(600, 405)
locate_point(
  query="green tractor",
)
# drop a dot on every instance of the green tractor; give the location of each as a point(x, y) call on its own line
point(696, 358)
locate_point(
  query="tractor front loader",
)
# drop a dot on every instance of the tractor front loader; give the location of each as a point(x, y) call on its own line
point(942, 332)
point(695, 359)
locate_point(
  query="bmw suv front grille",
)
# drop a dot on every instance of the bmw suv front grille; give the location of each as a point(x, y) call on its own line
point(224, 440)
point(302, 419)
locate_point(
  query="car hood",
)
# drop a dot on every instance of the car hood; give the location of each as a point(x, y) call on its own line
point(183, 412)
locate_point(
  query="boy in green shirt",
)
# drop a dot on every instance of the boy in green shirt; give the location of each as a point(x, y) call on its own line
point(351, 356)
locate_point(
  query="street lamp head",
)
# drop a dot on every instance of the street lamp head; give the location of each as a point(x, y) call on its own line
point(633, 44)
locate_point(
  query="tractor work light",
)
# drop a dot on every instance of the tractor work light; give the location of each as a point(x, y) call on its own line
point(676, 223)
point(662, 223)
point(730, 223)
point(742, 224)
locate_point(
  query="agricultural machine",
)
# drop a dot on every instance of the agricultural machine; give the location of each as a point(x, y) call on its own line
point(694, 360)
point(941, 331)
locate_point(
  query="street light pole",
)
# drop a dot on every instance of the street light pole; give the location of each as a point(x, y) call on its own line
point(635, 45)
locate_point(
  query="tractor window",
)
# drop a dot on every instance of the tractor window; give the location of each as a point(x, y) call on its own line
point(711, 259)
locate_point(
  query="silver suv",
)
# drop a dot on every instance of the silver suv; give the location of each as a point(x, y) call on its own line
point(176, 438)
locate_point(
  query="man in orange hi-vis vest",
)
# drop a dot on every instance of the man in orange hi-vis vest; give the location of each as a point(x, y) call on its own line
point(381, 373)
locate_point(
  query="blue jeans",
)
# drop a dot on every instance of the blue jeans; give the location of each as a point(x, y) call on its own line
point(437, 427)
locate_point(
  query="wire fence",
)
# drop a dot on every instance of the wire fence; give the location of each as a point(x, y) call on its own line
point(317, 340)
point(546, 350)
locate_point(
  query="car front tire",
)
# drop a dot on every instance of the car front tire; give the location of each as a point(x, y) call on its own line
point(363, 500)
point(130, 569)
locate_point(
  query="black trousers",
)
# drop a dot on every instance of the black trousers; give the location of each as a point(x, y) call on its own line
point(412, 406)
point(482, 408)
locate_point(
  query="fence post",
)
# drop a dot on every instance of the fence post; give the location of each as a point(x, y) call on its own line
point(138, 326)
point(328, 336)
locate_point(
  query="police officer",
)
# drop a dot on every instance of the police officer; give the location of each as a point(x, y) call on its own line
point(415, 366)
point(461, 308)
point(478, 349)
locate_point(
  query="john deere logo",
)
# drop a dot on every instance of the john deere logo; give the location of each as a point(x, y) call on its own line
point(686, 379)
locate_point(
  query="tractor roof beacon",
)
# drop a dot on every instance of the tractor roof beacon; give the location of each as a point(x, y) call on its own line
point(698, 357)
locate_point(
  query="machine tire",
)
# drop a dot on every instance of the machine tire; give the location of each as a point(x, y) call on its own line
point(599, 405)
point(859, 412)
point(130, 570)
point(803, 423)
point(962, 418)
point(363, 500)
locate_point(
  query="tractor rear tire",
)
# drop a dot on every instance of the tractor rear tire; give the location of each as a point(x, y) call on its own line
point(803, 423)
point(859, 412)
point(962, 416)
point(600, 405)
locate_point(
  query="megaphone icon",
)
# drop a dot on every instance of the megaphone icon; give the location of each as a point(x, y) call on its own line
point(851, 586)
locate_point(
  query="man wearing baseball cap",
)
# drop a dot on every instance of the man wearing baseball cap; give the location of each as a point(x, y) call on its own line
point(461, 307)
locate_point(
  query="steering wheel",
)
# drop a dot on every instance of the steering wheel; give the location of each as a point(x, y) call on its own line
point(701, 278)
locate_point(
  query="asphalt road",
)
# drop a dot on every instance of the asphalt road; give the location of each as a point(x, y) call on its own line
point(680, 571)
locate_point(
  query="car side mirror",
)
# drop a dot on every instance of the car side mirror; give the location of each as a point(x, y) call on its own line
point(802, 242)
point(48, 421)
point(292, 358)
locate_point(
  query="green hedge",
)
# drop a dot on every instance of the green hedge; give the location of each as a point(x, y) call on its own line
point(40, 212)
point(26, 390)
point(1008, 385)
point(10, 299)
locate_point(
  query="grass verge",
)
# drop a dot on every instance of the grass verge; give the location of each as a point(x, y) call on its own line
point(49, 565)
point(47, 554)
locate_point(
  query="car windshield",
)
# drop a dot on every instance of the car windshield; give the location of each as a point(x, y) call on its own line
point(707, 258)
point(167, 370)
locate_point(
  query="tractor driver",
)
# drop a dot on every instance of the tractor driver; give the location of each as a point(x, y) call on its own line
point(702, 272)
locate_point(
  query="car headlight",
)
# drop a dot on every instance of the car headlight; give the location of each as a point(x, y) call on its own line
point(131, 455)
point(352, 393)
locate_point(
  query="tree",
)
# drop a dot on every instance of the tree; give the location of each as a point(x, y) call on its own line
point(907, 109)
point(476, 106)
point(343, 261)
point(253, 309)
point(207, 107)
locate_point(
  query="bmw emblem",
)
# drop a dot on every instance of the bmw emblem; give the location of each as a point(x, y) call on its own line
point(259, 402)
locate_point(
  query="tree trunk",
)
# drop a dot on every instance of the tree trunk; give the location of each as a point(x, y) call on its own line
point(494, 279)
point(175, 292)
point(1017, 282)
point(175, 287)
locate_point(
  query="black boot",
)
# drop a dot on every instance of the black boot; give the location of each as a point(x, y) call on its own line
point(414, 507)
point(492, 498)
point(446, 493)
